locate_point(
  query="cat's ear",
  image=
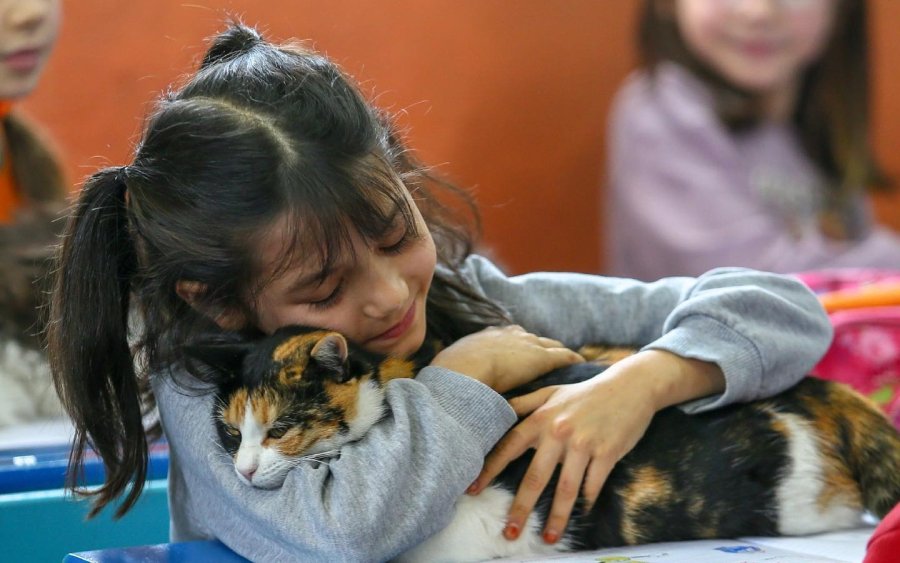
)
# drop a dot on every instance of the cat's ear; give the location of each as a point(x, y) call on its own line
point(331, 354)
point(225, 359)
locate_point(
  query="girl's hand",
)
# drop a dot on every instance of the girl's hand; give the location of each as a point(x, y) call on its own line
point(505, 357)
point(588, 427)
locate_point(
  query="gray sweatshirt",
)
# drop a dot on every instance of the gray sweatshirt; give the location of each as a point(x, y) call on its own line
point(398, 484)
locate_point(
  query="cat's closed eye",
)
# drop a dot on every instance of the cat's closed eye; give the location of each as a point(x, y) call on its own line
point(277, 432)
point(232, 431)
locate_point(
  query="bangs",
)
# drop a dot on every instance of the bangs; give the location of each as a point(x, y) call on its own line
point(325, 207)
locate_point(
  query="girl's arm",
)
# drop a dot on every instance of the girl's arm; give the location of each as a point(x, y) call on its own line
point(380, 496)
point(764, 331)
point(730, 335)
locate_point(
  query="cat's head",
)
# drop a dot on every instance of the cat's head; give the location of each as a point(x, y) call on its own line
point(297, 393)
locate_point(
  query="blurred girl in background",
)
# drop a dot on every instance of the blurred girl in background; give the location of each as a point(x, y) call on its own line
point(744, 141)
point(30, 173)
point(32, 191)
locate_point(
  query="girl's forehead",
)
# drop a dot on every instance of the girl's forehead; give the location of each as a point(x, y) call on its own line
point(292, 250)
point(307, 252)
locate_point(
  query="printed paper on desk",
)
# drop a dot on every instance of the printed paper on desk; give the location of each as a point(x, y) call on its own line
point(843, 547)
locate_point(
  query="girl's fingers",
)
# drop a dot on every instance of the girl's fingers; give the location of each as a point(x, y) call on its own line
point(566, 494)
point(542, 466)
point(549, 342)
point(511, 446)
point(527, 404)
point(560, 357)
point(597, 473)
point(567, 355)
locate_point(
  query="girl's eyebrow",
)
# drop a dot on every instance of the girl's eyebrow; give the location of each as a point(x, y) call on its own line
point(318, 278)
point(315, 278)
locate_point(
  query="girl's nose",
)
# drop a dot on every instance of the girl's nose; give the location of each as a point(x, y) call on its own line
point(388, 291)
point(757, 9)
point(27, 14)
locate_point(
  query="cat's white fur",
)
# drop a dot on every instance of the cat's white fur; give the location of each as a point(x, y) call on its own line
point(799, 489)
point(476, 532)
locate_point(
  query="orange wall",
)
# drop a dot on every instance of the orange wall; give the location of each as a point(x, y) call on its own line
point(507, 97)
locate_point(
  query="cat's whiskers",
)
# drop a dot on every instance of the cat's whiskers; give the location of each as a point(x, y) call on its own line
point(315, 457)
point(220, 449)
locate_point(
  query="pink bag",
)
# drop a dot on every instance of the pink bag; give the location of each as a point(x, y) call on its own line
point(865, 352)
point(835, 279)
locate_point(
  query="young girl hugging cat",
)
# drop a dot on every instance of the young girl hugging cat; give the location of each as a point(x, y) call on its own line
point(743, 140)
point(265, 192)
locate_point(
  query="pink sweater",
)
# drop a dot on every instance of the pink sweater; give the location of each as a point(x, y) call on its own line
point(685, 195)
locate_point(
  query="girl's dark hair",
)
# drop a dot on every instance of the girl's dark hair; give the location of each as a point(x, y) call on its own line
point(260, 133)
point(832, 110)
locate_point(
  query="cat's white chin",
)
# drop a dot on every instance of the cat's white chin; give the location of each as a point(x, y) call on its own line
point(270, 475)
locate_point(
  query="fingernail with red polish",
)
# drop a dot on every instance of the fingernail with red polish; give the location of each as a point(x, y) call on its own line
point(472, 488)
point(512, 531)
point(551, 536)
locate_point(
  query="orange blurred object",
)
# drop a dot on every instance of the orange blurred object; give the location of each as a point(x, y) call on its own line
point(10, 199)
point(877, 294)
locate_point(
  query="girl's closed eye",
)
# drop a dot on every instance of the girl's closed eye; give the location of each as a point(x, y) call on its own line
point(399, 240)
point(329, 299)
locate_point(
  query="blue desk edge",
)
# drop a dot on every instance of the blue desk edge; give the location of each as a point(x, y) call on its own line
point(212, 550)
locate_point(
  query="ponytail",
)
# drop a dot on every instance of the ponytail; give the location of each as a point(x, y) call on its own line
point(237, 40)
point(92, 365)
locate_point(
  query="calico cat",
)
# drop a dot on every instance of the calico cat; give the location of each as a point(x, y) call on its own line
point(811, 459)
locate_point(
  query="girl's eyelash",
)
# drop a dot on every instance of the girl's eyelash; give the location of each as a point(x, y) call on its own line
point(392, 249)
point(398, 246)
point(331, 299)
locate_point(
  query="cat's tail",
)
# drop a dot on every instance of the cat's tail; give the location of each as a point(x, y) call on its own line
point(867, 443)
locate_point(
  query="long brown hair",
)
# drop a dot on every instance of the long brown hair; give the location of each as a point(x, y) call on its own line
point(260, 132)
point(831, 113)
point(35, 162)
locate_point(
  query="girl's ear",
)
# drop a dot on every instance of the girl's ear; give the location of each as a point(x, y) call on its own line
point(192, 293)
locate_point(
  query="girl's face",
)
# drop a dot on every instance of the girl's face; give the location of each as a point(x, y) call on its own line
point(28, 30)
point(375, 298)
point(758, 45)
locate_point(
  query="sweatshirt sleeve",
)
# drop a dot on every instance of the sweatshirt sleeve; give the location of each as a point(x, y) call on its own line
point(765, 331)
point(380, 496)
point(681, 199)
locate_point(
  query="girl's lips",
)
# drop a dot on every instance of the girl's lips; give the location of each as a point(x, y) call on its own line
point(400, 327)
point(24, 60)
point(759, 48)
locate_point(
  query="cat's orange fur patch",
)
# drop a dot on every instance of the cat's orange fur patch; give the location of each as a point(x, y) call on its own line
point(395, 368)
point(233, 413)
point(344, 396)
point(605, 354)
point(295, 351)
point(649, 487)
point(839, 485)
point(267, 405)
point(294, 442)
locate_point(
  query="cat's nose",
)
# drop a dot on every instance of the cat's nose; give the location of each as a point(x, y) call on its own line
point(248, 473)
